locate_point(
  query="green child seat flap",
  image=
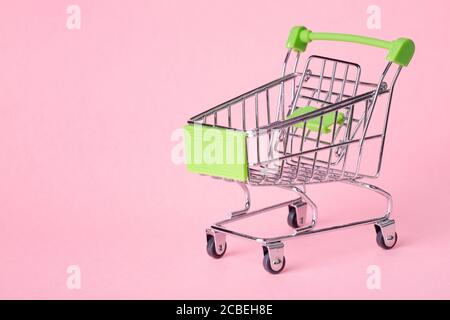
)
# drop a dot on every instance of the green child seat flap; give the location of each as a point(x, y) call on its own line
point(217, 152)
point(314, 123)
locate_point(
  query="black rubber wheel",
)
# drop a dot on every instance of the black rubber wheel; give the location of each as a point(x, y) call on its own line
point(267, 265)
point(292, 217)
point(211, 248)
point(381, 243)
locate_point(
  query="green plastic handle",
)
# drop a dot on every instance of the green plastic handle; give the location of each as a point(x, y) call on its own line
point(400, 51)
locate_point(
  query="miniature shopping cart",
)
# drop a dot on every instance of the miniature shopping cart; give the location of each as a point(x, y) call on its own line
point(323, 124)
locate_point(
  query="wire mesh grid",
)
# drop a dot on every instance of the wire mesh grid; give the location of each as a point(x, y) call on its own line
point(321, 145)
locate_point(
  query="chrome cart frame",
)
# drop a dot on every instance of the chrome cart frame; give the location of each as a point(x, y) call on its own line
point(308, 127)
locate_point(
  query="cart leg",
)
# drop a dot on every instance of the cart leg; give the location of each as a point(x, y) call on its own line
point(375, 189)
point(247, 201)
point(216, 243)
point(274, 260)
point(384, 227)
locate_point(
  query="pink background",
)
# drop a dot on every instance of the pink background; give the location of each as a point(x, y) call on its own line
point(86, 176)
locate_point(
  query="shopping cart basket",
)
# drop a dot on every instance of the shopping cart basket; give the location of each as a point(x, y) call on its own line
point(322, 124)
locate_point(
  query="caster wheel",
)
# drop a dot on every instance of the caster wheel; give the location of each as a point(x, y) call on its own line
point(268, 266)
point(292, 217)
point(212, 250)
point(382, 243)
